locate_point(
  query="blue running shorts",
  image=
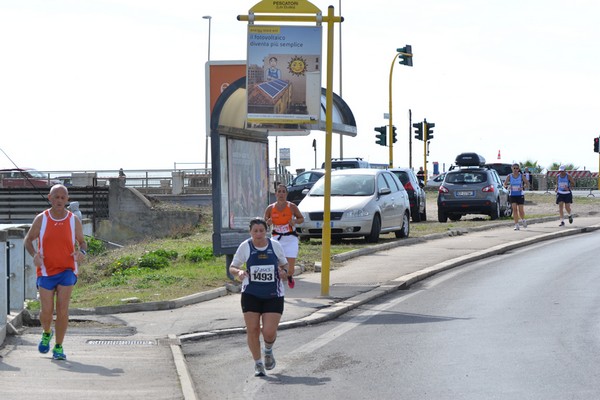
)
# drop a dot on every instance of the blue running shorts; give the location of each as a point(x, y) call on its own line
point(65, 278)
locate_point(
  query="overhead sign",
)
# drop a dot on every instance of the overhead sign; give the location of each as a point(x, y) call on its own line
point(283, 78)
point(285, 6)
point(284, 156)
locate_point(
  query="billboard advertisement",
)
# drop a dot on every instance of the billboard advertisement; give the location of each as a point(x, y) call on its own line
point(283, 78)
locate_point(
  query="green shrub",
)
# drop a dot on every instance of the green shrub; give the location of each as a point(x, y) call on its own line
point(153, 260)
point(122, 263)
point(198, 254)
point(95, 246)
point(168, 254)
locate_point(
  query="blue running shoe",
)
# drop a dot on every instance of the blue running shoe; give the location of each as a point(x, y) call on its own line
point(44, 345)
point(58, 353)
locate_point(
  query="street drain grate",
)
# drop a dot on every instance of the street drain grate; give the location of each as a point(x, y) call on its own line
point(122, 342)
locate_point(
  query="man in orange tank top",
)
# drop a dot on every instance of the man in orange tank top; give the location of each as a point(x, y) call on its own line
point(283, 215)
point(59, 247)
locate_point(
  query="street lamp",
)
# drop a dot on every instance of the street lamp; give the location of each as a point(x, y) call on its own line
point(209, 18)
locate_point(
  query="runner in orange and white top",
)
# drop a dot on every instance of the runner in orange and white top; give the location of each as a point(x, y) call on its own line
point(60, 247)
point(283, 215)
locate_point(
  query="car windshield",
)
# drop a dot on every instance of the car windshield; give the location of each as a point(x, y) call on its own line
point(467, 177)
point(346, 185)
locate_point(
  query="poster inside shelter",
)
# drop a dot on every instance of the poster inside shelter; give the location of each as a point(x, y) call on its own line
point(284, 75)
point(248, 181)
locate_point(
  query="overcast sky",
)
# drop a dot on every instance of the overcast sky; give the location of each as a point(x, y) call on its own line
point(100, 84)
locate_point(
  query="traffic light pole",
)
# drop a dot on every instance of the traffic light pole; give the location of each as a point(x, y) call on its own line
point(390, 128)
point(405, 52)
point(425, 139)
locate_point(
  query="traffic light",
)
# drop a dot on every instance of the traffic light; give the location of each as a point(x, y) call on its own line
point(405, 55)
point(394, 134)
point(429, 129)
point(419, 130)
point(596, 145)
point(381, 138)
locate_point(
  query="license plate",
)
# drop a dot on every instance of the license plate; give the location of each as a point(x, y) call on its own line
point(465, 193)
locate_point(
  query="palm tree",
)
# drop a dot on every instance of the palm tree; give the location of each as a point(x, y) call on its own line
point(533, 166)
point(568, 167)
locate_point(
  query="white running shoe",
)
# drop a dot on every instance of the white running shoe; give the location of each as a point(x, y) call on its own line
point(259, 369)
point(516, 227)
point(524, 223)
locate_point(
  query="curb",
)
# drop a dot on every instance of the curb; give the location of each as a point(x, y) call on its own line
point(400, 283)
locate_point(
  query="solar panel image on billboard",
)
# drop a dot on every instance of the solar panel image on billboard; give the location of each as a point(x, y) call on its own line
point(274, 87)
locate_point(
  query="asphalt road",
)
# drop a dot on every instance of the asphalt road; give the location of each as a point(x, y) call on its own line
point(519, 325)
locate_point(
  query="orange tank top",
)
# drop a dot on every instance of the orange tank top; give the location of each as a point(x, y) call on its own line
point(281, 219)
point(57, 244)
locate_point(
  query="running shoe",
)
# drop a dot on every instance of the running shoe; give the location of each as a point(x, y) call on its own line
point(269, 359)
point(570, 219)
point(524, 223)
point(291, 282)
point(44, 345)
point(562, 223)
point(516, 227)
point(259, 369)
point(58, 352)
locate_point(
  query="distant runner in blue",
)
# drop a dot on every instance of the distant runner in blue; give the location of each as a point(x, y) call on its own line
point(564, 195)
point(262, 290)
point(517, 184)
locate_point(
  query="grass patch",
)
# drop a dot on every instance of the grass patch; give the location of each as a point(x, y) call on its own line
point(165, 269)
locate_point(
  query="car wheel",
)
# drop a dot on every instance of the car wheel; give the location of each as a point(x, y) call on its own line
point(373, 237)
point(405, 230)
point(495, 212)
point(415, 215)
point(442, 216)
point(508, 209)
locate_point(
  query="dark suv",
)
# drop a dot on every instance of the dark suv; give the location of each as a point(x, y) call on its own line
point(472, 189)
point(416, 193)
point(301, 184)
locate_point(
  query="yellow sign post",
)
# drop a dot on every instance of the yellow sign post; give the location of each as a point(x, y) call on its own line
point(273, 10)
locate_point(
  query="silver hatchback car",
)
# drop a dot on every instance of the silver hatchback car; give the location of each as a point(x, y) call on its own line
point(364, 202)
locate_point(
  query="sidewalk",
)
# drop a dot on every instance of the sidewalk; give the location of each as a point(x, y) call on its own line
point(137, 354)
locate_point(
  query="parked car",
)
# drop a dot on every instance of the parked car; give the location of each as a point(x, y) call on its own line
point(472, 189)
point(436, 181)
point(416, 193)
point(502, 169)
point(363, 202)
point(25, 178)
point(344, 163)
point(302, 183)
